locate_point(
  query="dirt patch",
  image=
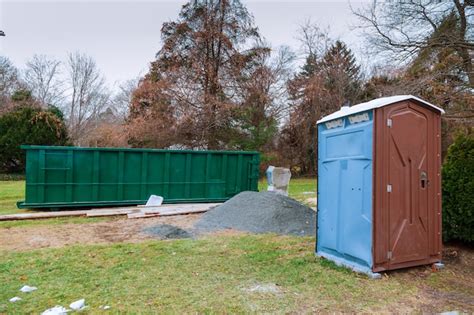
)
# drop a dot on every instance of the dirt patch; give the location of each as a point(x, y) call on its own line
point(113, 231)
point(449, 289)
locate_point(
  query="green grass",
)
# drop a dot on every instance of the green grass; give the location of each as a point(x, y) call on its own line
point(299, 188)
point(10, 193)
point(13, 191)
point(211, 275)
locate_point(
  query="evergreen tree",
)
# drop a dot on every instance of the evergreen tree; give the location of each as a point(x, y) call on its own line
point(342, 72)
point(28, 123)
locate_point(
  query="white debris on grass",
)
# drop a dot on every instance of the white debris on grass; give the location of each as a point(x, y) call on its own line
point(104, 307)
point(27, 289)
point(57, 310)
point(15, 299)
point(78, 305)
point(264, 288)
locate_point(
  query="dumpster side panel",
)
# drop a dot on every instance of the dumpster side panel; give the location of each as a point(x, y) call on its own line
point(345, 190)
point(83, 177)
point(70, 176)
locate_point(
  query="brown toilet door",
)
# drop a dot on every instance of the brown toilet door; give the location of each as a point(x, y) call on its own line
point(410, 151)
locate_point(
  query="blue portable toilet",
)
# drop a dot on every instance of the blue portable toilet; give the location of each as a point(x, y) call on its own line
point(379, 190)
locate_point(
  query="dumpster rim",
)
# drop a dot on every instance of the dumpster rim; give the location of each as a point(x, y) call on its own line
point(45, 147)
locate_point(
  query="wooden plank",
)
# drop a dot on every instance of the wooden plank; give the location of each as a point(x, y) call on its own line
point(191, 207)
point(177, 209)
point(141, 215)
point(166, 214)
point(41, 215)
point(73, 213)
point(93, 214)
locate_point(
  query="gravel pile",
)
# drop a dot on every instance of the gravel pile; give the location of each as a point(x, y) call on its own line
point(167, 231)
point(263, 212)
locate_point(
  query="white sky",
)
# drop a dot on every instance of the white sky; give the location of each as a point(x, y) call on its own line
point(123, 36)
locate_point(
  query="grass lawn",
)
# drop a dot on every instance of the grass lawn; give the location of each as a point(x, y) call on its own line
point(10, 193)
point(208, 275)
point(13, 191)
point(299, 188)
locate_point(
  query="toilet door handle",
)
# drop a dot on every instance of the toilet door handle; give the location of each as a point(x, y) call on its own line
point(423, 179)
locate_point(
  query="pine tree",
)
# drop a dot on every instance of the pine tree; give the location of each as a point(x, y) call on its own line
point(342, 72)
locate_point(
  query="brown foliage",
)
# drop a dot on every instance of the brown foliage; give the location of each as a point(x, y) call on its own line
point(106, 135)
point(152, 121)
point(193, 90)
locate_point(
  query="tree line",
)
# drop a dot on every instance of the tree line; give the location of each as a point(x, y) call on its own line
point(216, 83)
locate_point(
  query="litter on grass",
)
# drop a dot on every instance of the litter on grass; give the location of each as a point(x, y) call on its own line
point(27, 289)
point(78, 305)
point(15, 299)
point(57, 310)
point(264, 288)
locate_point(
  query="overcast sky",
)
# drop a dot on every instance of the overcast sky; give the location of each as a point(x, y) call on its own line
point(123, 36)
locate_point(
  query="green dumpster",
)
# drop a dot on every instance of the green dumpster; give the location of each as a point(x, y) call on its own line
point(58, 177)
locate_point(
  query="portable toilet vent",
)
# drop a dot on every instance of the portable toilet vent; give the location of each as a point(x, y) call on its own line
point(379, 188)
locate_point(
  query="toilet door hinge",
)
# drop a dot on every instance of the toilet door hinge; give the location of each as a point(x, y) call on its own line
point(389, 123)
point(389, 188)
point(389, 255)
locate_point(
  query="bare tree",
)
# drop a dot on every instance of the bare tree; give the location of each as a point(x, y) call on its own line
point(123, 98)
point(313, 39)
point(42, 77)
point(88, 95)
point(9, 80)
point(406, 27)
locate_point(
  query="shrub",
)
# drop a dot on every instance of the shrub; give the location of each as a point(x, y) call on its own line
point(458, 190)
point(28, 125)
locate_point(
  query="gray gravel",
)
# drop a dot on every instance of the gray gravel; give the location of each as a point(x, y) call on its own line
point(167, 231)
point(264, 212)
